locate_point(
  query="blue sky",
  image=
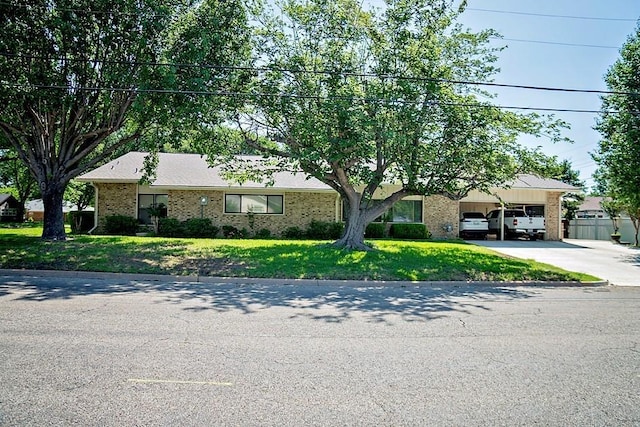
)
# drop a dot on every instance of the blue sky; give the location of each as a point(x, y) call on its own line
point(553, 64)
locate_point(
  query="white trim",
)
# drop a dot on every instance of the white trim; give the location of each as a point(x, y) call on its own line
point(95, 211)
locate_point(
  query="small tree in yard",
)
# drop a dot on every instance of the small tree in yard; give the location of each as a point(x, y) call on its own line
point(612, 208)
point(156, 211)
point(358, 98)
point(82, 79)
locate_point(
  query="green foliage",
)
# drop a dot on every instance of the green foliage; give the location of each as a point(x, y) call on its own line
point(61, 62)
point(170, 227)
point(618, 154)
point(375, 230)
point(199, 227)
point(322, 230)
point(192, 227)
point(406, 115)
point(293, 233)
point(120, 225)
point(409, 231)
point(231, 232)
point(81, 222)
point(263, 233)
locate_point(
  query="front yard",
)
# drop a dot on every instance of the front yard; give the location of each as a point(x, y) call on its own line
point(22, 248)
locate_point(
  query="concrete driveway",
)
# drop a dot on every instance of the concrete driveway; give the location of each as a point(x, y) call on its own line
point(618, 264)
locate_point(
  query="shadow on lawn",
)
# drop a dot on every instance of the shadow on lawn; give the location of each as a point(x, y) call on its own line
point(318, 302)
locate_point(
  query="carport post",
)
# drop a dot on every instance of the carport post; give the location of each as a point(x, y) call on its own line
point(501, 220)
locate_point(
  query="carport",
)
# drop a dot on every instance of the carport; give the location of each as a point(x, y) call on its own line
point(538, 196)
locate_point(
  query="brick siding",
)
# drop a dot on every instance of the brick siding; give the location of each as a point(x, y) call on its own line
point(552, 216)
point(116, 199)
point(440, 212)
point(299, 208)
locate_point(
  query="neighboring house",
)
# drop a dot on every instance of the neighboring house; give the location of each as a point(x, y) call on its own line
point(189, 188)
point(34, 210)
point(9, 207)
point(591, 208)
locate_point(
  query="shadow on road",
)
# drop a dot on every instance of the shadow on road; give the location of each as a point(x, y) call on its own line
point(317, 302)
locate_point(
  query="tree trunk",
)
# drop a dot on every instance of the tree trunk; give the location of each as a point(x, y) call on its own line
point(636, 226)
point(53, 217)
point(20, 211)
point(353, 235)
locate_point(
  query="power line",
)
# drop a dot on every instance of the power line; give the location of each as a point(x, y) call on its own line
point(324, 72)
point(305, 97)
point(593, 18)
point(559, 43)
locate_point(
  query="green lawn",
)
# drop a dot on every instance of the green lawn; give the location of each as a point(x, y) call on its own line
point(392, 260)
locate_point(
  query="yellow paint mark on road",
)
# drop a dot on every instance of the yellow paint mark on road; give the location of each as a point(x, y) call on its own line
point(156, 381)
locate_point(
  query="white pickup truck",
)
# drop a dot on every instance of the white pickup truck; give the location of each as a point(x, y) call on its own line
point(516, 223)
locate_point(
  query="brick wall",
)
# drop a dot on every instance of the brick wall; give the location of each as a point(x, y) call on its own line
point(116, 199)
point(438, 212)
point(552, 216)
point(299, 210)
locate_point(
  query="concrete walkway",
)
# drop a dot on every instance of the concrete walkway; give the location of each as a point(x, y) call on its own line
point(618, 264)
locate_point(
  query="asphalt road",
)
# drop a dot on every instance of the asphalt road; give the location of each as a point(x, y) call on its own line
point(121, 353)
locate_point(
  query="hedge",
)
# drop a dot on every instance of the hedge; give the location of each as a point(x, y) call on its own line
point(409, 231)
point(120, 225)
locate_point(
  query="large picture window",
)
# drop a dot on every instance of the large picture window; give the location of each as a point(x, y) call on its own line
point(254, 203)
point(401, 211)
point(146, 201)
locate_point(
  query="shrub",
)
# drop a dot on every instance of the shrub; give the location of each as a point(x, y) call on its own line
point(263, 233)
point(199, 227)
point(121, 225)
point(81, 222)
point(170, 227)
point(231, 232)
point(317, 230)
point(375, 230)
point(409, 231)
point(322, 230)
point(335, 230)
point(293, 233)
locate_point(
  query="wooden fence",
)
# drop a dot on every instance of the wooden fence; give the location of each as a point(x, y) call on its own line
point(600, 229)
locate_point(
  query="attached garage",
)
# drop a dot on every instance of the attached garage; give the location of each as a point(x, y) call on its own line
point(538, 196)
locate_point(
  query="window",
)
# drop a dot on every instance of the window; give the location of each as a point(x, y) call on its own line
point(406, 211)
point(401, 211)
point(260, 204)
point(146, 201)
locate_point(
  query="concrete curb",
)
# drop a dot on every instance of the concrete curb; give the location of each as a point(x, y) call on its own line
point(304, 282)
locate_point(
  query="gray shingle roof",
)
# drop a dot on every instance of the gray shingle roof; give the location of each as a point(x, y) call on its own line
point(192, 171)
point(527, 181)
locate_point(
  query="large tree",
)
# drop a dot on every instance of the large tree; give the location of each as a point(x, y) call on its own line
point(81, 79)
point(361, 98)
point(618, 153)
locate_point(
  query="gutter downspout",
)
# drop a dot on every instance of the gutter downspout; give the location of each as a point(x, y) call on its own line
point(95, 211)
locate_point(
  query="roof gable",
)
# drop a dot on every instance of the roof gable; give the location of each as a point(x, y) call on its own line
point(5, 197)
